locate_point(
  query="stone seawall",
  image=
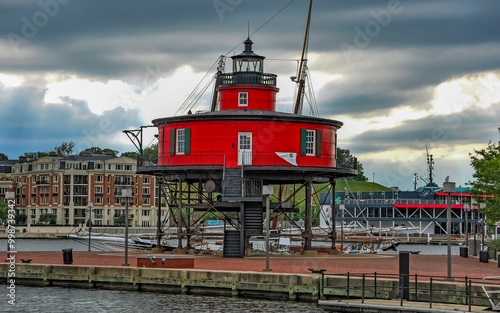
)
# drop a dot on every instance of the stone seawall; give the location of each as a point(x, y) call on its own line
point(293, 287)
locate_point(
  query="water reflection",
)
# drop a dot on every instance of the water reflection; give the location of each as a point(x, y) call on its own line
point(56, 299)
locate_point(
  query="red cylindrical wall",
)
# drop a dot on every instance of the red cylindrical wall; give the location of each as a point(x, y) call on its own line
point(259, 98)
point(215, 142)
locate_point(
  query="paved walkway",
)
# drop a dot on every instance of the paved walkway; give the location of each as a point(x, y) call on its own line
point(431, 265)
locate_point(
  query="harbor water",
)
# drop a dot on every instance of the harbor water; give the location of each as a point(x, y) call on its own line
point(65, 300)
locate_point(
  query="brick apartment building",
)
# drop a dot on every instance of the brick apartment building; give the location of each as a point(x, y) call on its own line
point(72, 187)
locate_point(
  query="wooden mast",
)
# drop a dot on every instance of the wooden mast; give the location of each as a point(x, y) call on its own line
point(300, 79)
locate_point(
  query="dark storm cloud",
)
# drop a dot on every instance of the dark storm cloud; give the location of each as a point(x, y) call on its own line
point(381, 80)
point(467, 127)
point(119, 38)
point(34, 126)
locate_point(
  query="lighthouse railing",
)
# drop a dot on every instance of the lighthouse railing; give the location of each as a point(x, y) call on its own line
point(248, 78)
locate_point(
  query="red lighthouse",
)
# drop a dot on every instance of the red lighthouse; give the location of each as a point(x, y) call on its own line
point(216, 163)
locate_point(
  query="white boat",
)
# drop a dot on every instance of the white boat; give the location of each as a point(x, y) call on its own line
point(117, 241)
point(364, 248)
point(390, 244)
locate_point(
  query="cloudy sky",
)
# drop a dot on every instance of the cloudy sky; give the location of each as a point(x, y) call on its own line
point(403, 76)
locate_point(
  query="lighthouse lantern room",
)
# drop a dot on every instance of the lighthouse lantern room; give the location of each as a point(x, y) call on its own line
point(214, 165)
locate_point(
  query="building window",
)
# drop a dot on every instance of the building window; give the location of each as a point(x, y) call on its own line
point(128, 167)
point(145, 180)
point(145, 223)
point(145, 212)
point(146, 191)
point(180, 140)
point(310, 142)
point(242, 99)
point(145, 201)
point(98, 190)
point(119, 167)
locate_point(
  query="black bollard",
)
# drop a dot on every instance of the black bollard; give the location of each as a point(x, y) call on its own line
point(404, 274)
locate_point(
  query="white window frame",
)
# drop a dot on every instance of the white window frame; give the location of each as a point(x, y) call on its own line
point(310, 142)
point(180, 141)
point(243, 99)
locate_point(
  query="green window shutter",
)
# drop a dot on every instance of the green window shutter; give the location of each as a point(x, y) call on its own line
point(172, 141)
point(187, 141)
point(303, 138)
point(319, 138)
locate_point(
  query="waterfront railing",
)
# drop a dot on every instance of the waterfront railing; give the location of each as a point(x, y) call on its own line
point(419, 288)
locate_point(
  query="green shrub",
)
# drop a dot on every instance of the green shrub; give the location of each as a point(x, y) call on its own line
point(494, 244)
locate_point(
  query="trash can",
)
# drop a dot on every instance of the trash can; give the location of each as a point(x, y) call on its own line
point(483, 256)
point(464, 252)
point(67, 256)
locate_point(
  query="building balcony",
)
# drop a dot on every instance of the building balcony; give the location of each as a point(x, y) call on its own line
point(123, 183)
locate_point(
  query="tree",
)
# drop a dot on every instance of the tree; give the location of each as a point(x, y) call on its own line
point(98, 150)
point(486, 183)
point(94, 150)
point(65, 149)
point(21, 219)
point(346, 160)
point(35, 155)
point(4, 208)
point(48, 219)
point(3, 157)
point(151, 154)
point(109, 151)
point(131, 154)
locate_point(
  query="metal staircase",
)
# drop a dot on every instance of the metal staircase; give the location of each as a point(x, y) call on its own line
point(232, 244)
point(253, 219)
point(232, 184)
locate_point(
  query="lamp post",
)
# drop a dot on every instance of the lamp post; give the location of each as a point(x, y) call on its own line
point(474, 216)
point(467, 209)
point(126, 193)
point(266, 192)
point(342, 208)
point(448, 187)
point(90, 210)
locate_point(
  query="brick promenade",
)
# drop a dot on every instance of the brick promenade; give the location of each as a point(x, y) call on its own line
point(421, 264)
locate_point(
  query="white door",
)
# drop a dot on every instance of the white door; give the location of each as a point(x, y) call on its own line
point(245, 148)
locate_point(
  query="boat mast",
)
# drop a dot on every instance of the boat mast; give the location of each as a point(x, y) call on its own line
point(301, 75)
